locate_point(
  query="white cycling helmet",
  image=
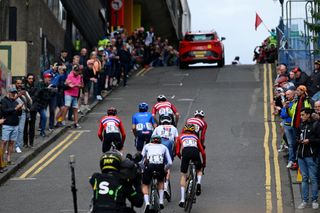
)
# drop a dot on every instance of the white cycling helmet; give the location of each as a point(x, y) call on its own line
point(199, 112)
point(161, 98)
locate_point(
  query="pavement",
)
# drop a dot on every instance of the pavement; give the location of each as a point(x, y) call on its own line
point(40, 143)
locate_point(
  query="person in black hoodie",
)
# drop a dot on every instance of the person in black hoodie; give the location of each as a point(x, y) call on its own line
point(308, 138)
point(11, 110)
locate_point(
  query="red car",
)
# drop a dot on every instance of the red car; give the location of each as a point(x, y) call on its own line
point(203, 47)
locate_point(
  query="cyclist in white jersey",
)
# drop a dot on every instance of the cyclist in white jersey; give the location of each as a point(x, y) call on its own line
point(156, 158)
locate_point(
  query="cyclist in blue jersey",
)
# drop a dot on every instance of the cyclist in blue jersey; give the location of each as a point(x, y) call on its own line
point(143, 124)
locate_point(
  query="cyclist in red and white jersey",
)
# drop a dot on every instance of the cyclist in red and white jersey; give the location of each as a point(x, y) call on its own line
point(200, 124)
point(191, 149)
point(111, 130)
point(164, 107)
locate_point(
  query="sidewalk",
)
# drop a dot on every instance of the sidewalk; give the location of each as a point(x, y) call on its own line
point(40, 143)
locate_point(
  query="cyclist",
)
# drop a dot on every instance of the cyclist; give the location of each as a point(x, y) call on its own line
point(110, 190)
point(168, 134)
point(200, 125)
point(142, 126)
point(111, 130)
point(191, 146)
point(164, 107)
point(156, 157)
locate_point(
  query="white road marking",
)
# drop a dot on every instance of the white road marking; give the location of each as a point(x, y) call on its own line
point(176, 84)
point(185, 99)
point(182, 74)
point(72, 210)
point(23, 178)
point(172, 97)
point(85, 130)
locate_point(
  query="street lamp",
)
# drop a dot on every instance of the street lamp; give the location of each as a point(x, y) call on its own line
point(281, 2)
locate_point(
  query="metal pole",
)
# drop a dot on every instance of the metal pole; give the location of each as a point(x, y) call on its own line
point(73, 183)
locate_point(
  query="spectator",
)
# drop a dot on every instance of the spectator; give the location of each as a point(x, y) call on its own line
point(29, 128)
point(74, 82)
point(125, 60)
point(96, 70)
point(2, 163)
point(301, 78)
point(60, 95)
point(88, 79)
point(115, 66)
point(63, 58)
point(315, 82)
point(83, 57)
point(308, 137)
point(11, 110)
point(43, 99)
point(316, 114)
point(24, 98)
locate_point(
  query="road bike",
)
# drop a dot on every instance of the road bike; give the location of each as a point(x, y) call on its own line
point(190, 194)
point(154, 194)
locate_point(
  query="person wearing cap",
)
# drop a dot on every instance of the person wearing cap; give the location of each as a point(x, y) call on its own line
point(314, 89)
point(10, 110)
point(88, 77)
point(301, 78)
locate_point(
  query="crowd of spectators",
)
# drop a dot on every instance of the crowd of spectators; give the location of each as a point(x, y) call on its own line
point(297, 102)
point(267, 52)
point(63, 90)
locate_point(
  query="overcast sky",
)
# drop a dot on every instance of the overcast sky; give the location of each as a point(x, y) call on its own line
point(235, 20)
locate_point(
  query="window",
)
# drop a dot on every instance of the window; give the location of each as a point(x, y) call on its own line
point(199, 37)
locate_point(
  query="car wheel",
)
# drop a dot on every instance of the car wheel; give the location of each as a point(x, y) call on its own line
point(221, 63)
point(183, 65)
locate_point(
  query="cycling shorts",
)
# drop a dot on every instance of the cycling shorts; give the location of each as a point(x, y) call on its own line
point(190, 154)
point(148, 173)
point(142, 139)
point(108, 139)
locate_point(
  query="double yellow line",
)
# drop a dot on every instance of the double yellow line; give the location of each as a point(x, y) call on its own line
point(143, 71)
point(51, 155)
point(268, 113)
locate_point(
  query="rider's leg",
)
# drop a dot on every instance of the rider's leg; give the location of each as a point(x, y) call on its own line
point(183, 186)
point(166, 183)
point(145, 191)
point(199, 176)
point(161, 192)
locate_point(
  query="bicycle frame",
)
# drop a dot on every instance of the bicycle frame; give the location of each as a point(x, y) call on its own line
point(154, 195)
point(191, 187)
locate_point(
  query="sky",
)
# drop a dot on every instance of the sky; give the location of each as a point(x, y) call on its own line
point(234, 20)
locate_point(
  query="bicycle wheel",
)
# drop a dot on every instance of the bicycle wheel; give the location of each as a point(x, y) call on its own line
point(154, 197)
point(191, 189)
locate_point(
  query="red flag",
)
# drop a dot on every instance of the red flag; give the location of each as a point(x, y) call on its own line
point(258, 21)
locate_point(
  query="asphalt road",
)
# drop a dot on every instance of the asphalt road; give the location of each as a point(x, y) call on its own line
point(235, 178)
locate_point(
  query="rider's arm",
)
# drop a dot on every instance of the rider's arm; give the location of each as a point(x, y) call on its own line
point(178, 146)
point(154, 123)
point(176, 113)
point(134, 126)
point(100, 131)
point(168, 158)
point(203, 132)
point(154, 113)
point(123, 133)
point(203, 153)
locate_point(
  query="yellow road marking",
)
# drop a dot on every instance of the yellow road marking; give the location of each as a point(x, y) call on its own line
point(147, 70)
point(266, 144)
point(274, 146)
point(57, 154)
point(26, 173)
point(141, 71)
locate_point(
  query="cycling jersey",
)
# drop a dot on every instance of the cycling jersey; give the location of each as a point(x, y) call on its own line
point(189, 141)
point(143, 126)
point(168, 134)
point(143, 122)
point(156, 155)
point(111, 125)
point(200, 126)
point(164, 108)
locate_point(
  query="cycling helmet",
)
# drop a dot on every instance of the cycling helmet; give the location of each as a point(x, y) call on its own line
point(165, 119)
point(112, 111)
point(155, 139)
point(143, 107)
point(161, 98)
point(111, 160)
point(199, 112)
point(189, 128)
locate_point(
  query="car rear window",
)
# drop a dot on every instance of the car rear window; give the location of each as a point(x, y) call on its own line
point(199, 37)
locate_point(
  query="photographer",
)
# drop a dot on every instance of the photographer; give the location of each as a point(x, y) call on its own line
point(113, 186)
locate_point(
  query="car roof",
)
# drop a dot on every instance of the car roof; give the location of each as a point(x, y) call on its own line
point(201, 32)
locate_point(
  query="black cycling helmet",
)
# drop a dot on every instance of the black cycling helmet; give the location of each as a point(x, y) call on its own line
point(199, 113)
point(143, 107)
point(161, 98)
point(189, 128)
point(112, 111)
point(111, 160)
point(165, 119)
point(155, 139)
